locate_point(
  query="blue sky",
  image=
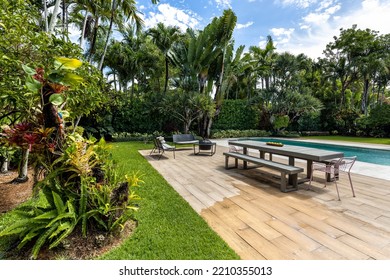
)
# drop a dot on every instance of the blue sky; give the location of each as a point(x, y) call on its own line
point(297, 26)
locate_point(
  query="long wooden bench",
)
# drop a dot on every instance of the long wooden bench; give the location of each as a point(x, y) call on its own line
point(284, 169)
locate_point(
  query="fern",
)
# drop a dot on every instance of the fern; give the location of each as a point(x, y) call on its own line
point(67, 228)
point(42, 239)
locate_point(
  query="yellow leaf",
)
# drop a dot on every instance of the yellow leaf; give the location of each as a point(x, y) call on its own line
point(69, 63)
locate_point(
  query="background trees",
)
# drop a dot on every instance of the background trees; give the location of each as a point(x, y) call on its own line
point(150, 68)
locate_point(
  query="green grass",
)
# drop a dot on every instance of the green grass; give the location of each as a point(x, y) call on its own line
point(368, 140)
point(168, 228)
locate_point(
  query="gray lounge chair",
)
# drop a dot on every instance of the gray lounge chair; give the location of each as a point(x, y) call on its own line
point(161, 146)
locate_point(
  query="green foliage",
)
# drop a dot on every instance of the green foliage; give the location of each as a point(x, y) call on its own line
point(50, 223)
point(82, 188)
point(279, 121)
point(377, 124)
point(231, 133)
point(236, 114)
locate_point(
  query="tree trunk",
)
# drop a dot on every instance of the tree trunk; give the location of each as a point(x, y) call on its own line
point(23, 168)
point(93, 44)
point(113, 8)
point(83, 31)
point(166, 74)
point(365, 96)
point(4, 165)
point(53, 21)
point(45, 19)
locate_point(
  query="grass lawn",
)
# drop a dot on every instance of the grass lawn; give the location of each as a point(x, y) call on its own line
point(168, 228)
point(368, 140)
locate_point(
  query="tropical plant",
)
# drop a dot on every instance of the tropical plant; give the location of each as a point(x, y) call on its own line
point(164, 37)
point(82, 188)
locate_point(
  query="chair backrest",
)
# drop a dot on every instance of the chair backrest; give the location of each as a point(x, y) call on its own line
point(182, 137)
point(345, 163)
point(160, 141)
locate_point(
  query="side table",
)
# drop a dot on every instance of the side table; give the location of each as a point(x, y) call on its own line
point(207, 147)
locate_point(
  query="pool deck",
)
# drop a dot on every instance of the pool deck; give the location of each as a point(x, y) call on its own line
point(260, 222)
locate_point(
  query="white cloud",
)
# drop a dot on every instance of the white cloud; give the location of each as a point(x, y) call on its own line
point(172, 16)
point(298, 3)
point(223, 3)
point(325, 4)
point(321, 17)
point(318, 28)
point(240, 25)
point(281, 35)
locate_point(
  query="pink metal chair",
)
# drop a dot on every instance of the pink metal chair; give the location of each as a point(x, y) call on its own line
point(332, 170)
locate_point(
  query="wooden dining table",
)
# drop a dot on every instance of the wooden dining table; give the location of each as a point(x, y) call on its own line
point(290, 151)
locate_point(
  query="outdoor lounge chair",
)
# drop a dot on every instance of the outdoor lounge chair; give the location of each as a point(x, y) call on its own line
point(332, 170)
point(161, 146)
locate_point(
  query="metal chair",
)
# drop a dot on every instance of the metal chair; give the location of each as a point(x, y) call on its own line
point(332, 170)
point(161, 146)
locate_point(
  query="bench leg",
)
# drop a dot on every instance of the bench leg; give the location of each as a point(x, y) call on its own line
point(293, 181)
point(226, 162)
point(283, 182)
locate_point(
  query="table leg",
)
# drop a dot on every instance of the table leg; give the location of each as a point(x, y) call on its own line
point(262, 154)
point(309, 168)
point(245, 151)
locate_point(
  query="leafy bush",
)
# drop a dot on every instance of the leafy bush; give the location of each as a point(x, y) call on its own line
point(231, 133)
point(379, 120)
point(236, 114)
point(135, 136)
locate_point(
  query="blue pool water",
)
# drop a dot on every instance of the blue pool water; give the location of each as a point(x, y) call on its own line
point(375, 156)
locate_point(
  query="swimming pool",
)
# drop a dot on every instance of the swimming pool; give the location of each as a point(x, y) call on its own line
point(376, 156)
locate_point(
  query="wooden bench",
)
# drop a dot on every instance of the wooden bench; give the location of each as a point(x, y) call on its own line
point(284, 169)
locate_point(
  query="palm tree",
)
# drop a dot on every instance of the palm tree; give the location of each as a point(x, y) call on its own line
point(224, 26)
point(120, 8)
point(164, 37)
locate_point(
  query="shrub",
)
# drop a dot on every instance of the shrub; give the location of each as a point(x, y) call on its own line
point(379, 120)
point(236, 114)
point(82, 188)
point(231, 133)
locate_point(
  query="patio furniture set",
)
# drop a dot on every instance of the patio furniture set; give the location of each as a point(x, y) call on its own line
point(199, 146)
point(329, 162)
point(317, 160)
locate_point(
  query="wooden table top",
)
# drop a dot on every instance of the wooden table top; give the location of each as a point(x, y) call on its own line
point(289, 150)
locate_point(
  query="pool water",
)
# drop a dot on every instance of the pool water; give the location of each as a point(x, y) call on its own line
point(376, 156)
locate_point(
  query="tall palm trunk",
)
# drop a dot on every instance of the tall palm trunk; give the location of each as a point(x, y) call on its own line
point(84, 28)
point(53, 21)
point(166, 74)
point(93, 44)
point(113, 8)
point(45, 19)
